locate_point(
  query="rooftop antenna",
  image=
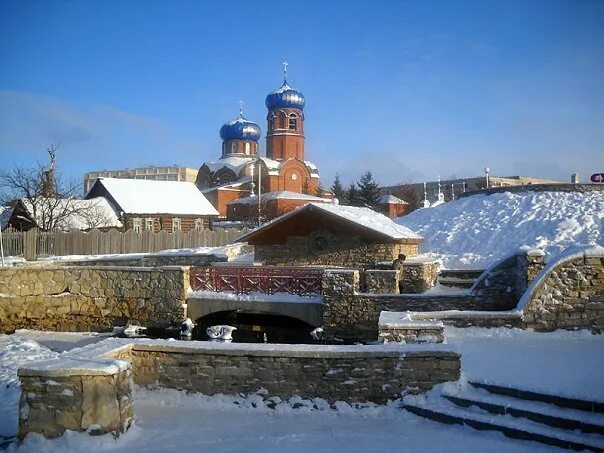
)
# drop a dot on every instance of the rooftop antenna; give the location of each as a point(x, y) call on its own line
point(240, 109)
point(285, 65)
point(452, 192)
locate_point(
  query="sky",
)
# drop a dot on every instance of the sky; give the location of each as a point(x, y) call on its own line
point(407, 89)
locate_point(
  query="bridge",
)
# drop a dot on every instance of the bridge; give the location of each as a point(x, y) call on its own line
point(288, 291)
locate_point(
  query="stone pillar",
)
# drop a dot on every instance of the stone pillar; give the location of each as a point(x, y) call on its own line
point(529, 263)
point(93, 396)
point(339, 289)
point(382, 281)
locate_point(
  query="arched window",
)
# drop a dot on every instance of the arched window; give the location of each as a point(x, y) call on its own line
point(234, 147)
point(293, 122)
point(256, 146)
point(247, 148)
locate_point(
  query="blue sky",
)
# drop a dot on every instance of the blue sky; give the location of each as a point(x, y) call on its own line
point(409, 90)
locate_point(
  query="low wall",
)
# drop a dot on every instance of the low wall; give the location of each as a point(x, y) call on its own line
point(92, 385)
point(419, 276)
point(90, 298)
point(568, 294)
point(152, 260)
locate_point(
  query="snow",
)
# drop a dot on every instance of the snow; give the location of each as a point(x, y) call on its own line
point(141, 196)
point(256, 297)
point(232, 162)
point(564, 363)
point(365, 217)
point(388, 199)
point(475, 231)
point(282, 195)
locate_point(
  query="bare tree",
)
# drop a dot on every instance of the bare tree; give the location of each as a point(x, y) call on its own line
point(42, 199)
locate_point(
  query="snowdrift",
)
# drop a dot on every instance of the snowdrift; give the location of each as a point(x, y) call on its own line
point(475, 231)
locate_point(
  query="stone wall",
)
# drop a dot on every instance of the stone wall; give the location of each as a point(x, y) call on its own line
point(351, 315)
point(90, 298)
point(152, 260)
point(97, 400)
point(571, 295)
point(380, 281)
point(334, 250)
point(348, 374)
point(419, 276)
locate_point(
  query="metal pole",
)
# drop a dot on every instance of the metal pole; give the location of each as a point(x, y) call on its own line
point(1, 246)
point(259, 190)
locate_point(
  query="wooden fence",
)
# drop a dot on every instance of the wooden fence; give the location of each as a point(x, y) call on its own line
point(33, 243)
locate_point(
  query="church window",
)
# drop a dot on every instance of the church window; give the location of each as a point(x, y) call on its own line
point(256, 147)
point(234, 147)
point(247, 148)
point(293, 122)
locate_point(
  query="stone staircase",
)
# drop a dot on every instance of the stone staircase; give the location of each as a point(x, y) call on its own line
point(549, 419)
point(459, 278)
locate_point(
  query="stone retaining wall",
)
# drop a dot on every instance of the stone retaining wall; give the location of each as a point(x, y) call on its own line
point(571, 295)
point(90, 298)
point(418, 277)
point(380, 281)
point(90, 388)
point(152, 260)
point(94, 400)
point(332, 373)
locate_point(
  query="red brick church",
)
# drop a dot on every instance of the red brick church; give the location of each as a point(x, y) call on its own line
point(285, 178)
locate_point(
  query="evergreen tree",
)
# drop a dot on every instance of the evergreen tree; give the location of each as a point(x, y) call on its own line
point(369, 192)
point(320, 191)
point(352, 196)
point(338, 190)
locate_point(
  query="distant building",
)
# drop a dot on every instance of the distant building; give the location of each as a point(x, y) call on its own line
point(451, 188)
point(173, 173)
point(272, 205)
point(64, 214)
point(284, 169)
point(392, 206)
point(156, 205)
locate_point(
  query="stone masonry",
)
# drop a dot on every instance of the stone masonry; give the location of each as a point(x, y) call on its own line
point(78, 399)
point(90, 298)
point(337, 250)
point(348, 374)
point(570, 296)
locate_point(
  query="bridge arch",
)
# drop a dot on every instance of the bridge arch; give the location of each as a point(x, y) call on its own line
point(310, 313)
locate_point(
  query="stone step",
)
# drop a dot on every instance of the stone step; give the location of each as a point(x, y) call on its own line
point(544, 413)
point(456, 282)
point(472, 274)
point(530, 395)
point(443, 411)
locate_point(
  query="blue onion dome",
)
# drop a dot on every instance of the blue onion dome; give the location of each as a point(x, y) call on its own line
point(285, 97)
point(240, 129)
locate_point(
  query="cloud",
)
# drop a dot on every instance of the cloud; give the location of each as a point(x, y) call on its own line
point(91, 135)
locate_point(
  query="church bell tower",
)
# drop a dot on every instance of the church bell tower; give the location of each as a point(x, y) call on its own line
point(285, 129)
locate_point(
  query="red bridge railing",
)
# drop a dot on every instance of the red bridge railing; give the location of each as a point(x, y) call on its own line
point(262, 279)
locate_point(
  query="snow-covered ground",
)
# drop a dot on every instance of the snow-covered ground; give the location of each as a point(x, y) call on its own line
point(569, 363)
point(475, 231)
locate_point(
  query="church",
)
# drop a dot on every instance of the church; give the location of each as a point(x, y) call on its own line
point(284, 178)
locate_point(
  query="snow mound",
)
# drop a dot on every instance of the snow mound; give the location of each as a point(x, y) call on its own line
point(475, 231)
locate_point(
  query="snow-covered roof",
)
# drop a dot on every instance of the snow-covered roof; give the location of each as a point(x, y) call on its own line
point(142, 196)
point(283, 195)
point(391, 199)
point(236, 185)
point(72, 214)
point(234, 163)
point(363, 217)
